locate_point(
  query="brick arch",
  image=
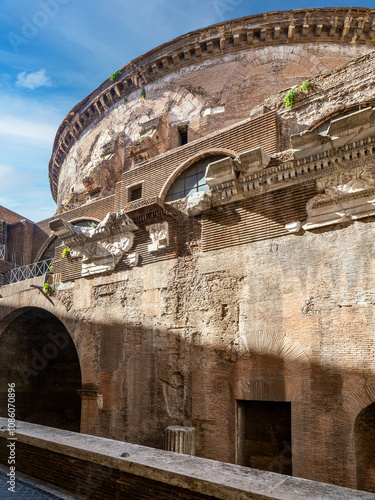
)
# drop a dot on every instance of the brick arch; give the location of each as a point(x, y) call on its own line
point(351, 407)
point(281, 361)
point(288, 53)
point(187, 163)
point(16, 305)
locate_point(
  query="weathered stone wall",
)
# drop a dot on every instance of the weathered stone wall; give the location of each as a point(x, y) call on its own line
point(288, 319)
point(236, 309)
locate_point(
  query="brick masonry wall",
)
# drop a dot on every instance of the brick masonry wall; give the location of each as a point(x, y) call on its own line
point(9, 216)
point(179, 341)
point(96, 210)
point(89, 480)
point(259, 132)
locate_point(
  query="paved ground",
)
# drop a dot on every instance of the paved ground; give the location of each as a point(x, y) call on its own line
point(29, 488)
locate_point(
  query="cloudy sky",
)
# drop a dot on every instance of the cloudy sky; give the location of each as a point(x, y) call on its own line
point(55, 52)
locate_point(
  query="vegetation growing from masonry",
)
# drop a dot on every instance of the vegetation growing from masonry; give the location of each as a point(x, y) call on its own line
point(292, 94)
point(290, 98)
point(116, 76)
point(47, 288)
point(143, 94)
point(66, 253)
point(305, 86)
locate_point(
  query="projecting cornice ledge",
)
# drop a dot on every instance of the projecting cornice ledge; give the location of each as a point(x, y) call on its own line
point(342, 164)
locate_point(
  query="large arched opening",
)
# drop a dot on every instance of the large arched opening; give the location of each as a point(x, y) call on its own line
point(364, 438)
point(38, 355)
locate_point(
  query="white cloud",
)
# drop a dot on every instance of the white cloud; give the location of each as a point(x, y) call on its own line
point(27, 129)
point(33, 80)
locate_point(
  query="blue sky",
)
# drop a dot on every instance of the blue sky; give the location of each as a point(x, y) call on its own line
point(55, 52)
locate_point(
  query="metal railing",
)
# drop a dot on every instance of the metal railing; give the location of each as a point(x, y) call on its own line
point(2, 252)
point(25, 272)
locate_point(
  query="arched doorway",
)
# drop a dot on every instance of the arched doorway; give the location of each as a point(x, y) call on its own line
point(364, 437)
point(38, 355)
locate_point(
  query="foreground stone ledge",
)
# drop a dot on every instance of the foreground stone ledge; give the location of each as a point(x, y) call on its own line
point(198, 475)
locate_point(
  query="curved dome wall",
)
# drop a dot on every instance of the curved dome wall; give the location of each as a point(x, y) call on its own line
point(202, 82)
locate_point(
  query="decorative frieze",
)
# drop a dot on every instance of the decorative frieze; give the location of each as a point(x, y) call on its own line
point(345, 196)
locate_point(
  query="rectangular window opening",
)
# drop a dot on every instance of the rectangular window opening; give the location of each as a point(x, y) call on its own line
point(136, 193)
point(183, 134)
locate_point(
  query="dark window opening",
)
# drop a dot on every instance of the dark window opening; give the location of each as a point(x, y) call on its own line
point(136, 193)
point(264, 435)
point(191, 180)
point(183, 133)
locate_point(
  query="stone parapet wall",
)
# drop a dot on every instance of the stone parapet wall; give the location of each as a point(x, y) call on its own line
point(92, 467)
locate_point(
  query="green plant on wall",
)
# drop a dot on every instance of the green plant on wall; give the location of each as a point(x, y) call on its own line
point(116, 76)
point(290, 98)
point(143, 95)
point(47, 288)
point(305, 86)
point(66, 253)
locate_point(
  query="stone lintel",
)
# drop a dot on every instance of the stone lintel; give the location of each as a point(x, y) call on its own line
point(351, 123)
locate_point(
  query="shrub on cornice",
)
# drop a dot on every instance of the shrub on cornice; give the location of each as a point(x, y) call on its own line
point(116, 76)
point(66, 253)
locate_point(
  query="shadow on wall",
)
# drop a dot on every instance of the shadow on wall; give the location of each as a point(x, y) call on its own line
point(256, 396)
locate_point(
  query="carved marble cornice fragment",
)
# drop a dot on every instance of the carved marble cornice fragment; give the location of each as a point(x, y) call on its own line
point(101, 247)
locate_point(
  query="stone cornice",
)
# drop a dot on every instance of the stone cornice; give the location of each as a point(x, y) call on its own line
point(340, 25)
point(228, 188)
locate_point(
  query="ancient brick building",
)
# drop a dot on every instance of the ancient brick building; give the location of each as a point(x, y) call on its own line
point(218, 268)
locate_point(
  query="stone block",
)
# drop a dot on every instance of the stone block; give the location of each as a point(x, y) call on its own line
point(198, 202)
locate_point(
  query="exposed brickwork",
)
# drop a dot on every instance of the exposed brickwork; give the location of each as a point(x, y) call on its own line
point(9, 216)
point(92, 481)
point(260, 132)
point(237, 307)
point(96, 211)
